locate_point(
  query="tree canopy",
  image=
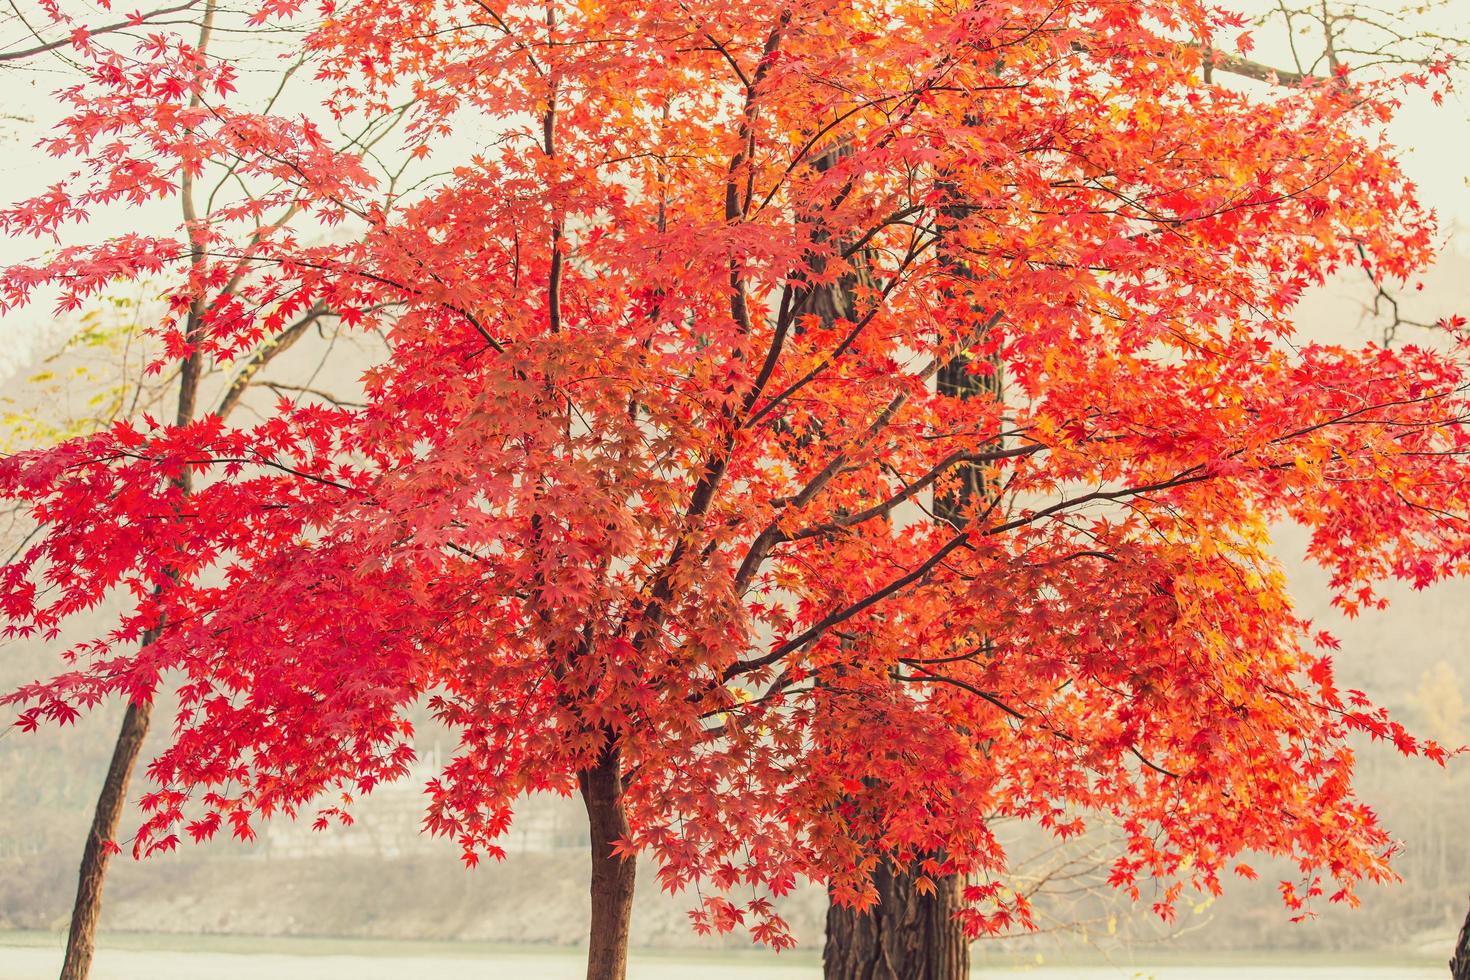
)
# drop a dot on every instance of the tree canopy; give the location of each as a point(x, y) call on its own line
point(631, 512)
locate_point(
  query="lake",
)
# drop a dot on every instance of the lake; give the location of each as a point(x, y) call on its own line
point(32, 956)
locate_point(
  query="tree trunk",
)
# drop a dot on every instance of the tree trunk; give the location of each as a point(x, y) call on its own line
point(81, 941)
point(612, 875)
point(908, 935)
point(1460, 962)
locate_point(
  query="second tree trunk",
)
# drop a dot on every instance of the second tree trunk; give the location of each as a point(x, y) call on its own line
point(908, 935)
point(1460, 964)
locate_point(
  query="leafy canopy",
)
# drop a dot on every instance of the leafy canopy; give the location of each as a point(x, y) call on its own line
point(625, 489)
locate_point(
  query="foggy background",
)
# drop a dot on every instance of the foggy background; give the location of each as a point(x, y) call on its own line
point(381, 878)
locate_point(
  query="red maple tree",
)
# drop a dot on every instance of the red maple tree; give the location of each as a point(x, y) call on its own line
point(639, 517)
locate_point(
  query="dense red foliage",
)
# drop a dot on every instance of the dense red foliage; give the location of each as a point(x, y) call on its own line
point(619, 494)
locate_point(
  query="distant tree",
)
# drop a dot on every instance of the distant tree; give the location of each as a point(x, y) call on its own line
point(628, 511)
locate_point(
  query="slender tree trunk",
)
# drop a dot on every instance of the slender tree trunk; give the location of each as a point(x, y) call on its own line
point(612, 874)
point(1460, 962)
point(908, 935)
point(81, 941)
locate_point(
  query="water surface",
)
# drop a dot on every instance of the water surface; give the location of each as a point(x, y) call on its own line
point(38, 957)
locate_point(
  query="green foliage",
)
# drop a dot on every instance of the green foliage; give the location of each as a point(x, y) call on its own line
point(94, 377)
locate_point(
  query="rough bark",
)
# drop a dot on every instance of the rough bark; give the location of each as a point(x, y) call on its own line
point(612, 874)
point(81, 940)
point(1460, 962)
point(908, 935)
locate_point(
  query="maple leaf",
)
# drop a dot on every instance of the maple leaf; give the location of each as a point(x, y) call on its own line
point(807, 452)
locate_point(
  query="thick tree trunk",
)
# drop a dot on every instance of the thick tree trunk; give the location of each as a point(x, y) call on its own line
point(908, 935)
point(1460, 962)
point(612, 875)
point(82, 939)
